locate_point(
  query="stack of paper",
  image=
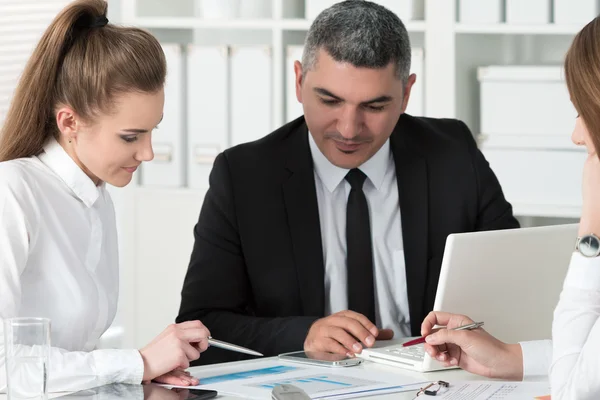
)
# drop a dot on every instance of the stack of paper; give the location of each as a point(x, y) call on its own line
point(258, 380)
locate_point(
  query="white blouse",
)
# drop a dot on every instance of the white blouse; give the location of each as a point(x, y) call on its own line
point(59, 260)
point(575, 370)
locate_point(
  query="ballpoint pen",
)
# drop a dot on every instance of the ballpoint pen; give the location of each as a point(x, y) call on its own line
point(232, 347)
point(474, 325)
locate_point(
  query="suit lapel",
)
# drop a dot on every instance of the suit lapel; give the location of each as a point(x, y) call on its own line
point(411, 173)
point(302, 208)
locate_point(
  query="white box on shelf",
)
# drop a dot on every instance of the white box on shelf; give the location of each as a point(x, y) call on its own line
point(208, 76)
point(312, 8)
point(250, 93)
point(218, 9)
point(256, 9)
point(528, 11)
point(293, 108)
point(407, 10)
point(480, 11)
point(416, 102)
point(525, 101)
point(575, 11)
point(538, 177)
point(168, 167)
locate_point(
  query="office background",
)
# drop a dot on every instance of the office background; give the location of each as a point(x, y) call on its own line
point(495, 64)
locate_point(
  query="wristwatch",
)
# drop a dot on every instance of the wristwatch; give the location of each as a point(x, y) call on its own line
point(588, 245)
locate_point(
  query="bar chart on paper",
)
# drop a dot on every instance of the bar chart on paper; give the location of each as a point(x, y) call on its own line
point(318, 383)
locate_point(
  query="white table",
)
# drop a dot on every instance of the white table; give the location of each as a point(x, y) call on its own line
point(453, 375)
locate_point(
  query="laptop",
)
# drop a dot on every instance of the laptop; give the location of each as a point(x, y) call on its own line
point(509, 279)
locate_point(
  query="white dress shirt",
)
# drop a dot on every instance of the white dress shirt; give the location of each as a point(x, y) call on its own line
point(389, 274)
point(575, 371)
point(59, 260)
point(537, 356)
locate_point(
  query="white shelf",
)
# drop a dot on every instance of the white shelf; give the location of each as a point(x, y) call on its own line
point(545, 210)
point(200, 23)
point(304, 25)
point(508, 29)
point(528, 142)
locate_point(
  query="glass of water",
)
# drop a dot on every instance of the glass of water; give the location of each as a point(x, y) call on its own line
point(27, 350)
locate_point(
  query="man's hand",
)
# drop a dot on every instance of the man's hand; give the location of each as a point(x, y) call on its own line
point(475, 351)
point(345, 332)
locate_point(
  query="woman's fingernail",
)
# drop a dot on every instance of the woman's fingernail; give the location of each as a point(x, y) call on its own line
point(357, 348)
point(453, 361)
point(370, 340)
point(349, 355)
point(429, 339)
point(430, 352)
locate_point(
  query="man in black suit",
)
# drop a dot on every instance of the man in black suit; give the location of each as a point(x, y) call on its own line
point(329, 233)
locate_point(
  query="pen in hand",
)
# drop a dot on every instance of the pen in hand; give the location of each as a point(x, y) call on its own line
point(232, 347)
point(472, 326)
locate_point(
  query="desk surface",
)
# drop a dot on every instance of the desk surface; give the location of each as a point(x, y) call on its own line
point(448, 375)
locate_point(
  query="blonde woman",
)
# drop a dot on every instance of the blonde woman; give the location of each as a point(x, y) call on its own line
point(573, 356)
point(81, 116)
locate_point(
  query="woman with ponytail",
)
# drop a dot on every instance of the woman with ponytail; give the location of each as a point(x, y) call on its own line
point(81, 117)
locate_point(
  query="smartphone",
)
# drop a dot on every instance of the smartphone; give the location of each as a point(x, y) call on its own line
point(200, 394)
point(150, 391)
point(321, 359)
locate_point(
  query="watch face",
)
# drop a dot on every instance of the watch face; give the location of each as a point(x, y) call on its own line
point(589, 246)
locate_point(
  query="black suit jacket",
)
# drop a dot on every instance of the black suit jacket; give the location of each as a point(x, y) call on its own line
point(256, 274)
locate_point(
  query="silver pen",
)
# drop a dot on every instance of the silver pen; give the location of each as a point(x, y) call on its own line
point(474, 325)
point(232, 347)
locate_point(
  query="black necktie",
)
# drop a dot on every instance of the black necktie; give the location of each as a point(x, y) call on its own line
point(361, 296)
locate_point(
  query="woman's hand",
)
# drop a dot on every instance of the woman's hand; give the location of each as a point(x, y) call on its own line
point(177, 377)
point(475, 351)
point(173, 350)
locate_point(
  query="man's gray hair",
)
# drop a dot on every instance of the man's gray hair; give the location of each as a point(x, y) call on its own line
point(359, 32)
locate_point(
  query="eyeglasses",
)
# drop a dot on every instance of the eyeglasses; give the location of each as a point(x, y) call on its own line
point(433, 388)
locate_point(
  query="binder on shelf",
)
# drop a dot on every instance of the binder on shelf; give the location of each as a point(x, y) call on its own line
point(416, 102)
point(168, 167)
point(251, 93)
point(293, 108)
point(207, 110)
point(256, 9)
point(528, 12)
point(480, 11)
point(217, 9)
point(407, 10)
point(579, 12)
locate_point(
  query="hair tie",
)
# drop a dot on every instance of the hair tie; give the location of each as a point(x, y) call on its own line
point(87, 21)
point(99, 22)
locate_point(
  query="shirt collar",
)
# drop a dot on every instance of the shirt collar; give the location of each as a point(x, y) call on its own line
point(374, 168)
point(57, 159)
